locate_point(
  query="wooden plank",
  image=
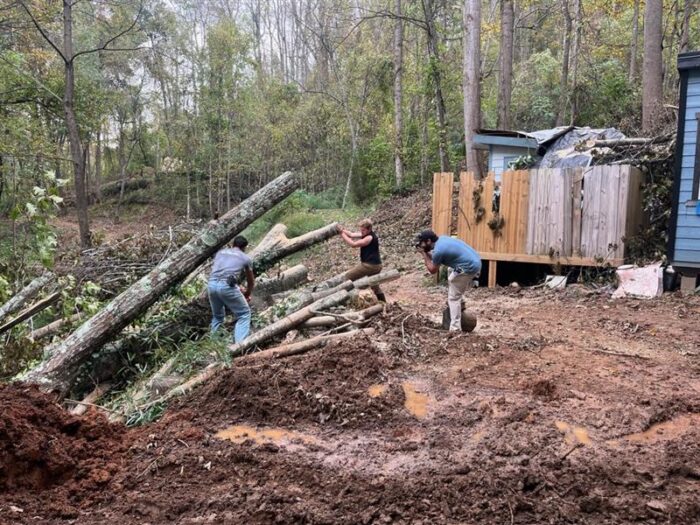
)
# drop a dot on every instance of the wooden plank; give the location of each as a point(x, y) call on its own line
point(577, 185)
point(545, 259)
point(493, 265)
point(533, 212)
point(635, 213)
point(442, 203)
point(567, 209)
point(487, 237)
point(465, 212)
point(621, 210)
point(524, 193)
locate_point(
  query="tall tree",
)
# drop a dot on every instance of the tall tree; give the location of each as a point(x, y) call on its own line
point(68, 56)
point(436, 79)
point(398, 95)
point(652, 88)
point(566, 50)
point(632, 70)
point(505, 70)
point(471, 79)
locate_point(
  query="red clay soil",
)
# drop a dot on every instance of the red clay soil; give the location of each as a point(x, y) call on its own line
point(46, 451)
point(562, 407)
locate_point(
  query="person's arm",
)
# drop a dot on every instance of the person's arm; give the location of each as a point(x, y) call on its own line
point(352, 235)
point(361, 243)
point(250, 284)
point(429, 264)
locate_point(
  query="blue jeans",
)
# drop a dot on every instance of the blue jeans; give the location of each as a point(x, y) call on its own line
point(222, 296)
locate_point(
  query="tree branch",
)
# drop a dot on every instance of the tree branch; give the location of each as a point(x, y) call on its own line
point(42, 32)
point(104, 47)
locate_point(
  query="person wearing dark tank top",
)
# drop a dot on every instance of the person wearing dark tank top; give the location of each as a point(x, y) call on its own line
point(370, 259)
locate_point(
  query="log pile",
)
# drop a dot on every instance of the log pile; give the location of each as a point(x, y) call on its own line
point(305, 317)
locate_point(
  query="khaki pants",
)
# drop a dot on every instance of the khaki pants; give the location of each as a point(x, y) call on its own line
point(457, 284)
point(365, 270)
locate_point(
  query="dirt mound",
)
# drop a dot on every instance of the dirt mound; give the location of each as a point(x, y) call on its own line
point(318, 387)
point(42, 446)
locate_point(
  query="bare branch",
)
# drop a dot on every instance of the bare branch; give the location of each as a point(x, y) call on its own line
point(42, 32)
point(104, 47)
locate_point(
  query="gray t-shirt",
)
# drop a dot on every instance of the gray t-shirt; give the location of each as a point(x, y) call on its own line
point(228, 261)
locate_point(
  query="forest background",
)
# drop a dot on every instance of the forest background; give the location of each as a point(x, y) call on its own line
point(205, 101)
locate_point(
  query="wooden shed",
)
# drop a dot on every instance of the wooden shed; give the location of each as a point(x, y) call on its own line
point(567, 216)
point(684, 235)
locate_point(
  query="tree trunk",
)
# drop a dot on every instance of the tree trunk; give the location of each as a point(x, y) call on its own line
point(98, 166)
point(575, 51)
point(25, 294)
point(436, 77)
point(304, 346)
point(564, 82)
point(76, 149)
point(60, 370)
point(652, 94)
point(505, 77)
point(54, 327)
point(688, 10)
point(632, 71)
point(471, 79)
point(287, 323)
point(30, 311)
point(398, 96)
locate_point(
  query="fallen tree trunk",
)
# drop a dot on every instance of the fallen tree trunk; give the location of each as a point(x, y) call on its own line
point(291, 278)
point(304, 346)
point(26, 294)
point(54, 327)
point(276, 246)
point(334, 319)
point(65, 358)
point(289, 322)
point(81, 407)
point(28, 312)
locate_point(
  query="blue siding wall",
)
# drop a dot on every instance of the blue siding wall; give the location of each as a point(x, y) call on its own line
point(687, 247)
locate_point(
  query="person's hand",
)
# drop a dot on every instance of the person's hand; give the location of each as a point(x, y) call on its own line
point(340, 228)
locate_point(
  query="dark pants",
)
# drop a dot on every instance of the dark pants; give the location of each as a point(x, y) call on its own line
point(365, 270)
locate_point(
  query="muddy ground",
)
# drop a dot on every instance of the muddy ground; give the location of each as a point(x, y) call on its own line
point(562, 407)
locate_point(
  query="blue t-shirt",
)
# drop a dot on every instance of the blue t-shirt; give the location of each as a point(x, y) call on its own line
point(456, 254)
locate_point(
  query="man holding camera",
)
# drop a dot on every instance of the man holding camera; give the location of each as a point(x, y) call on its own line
point(224, 291)
point(464, 264)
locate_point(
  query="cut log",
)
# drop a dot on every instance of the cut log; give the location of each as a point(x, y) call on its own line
point(373, 280)
point(289, 279)
point(330, 319)
point(301, 347)
point(320, 321)
point(54, 327)
point(60, 370)
point(284, 325)
point(80, 408)
point(25, 294)
point(276, 246)
point(32, 310)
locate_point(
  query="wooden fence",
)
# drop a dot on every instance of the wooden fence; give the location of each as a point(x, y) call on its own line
point(577, 217)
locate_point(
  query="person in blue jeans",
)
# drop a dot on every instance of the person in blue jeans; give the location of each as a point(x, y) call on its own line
point(224, 291)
